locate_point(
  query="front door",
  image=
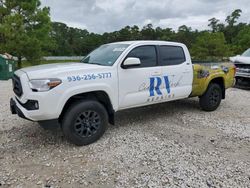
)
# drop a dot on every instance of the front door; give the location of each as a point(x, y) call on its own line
point(137, 85)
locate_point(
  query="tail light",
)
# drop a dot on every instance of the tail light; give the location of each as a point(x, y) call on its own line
point(234, 69)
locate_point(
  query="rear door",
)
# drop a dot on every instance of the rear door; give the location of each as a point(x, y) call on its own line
point(177, 71)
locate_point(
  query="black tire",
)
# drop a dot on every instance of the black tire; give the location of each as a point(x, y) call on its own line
point(211, 99)
point(84, 122)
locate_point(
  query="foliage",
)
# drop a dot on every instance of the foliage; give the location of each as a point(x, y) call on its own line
point(24, 29)
point(232, 19)
point(222, 40)
point(214, 24)
point(210, 46)
point(242, 40)
point(42, 62)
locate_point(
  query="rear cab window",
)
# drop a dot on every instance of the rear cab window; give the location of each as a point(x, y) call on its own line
point(171, 55)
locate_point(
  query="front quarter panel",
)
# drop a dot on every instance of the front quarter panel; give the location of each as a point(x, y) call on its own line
point(79, 82)
point(51, 103)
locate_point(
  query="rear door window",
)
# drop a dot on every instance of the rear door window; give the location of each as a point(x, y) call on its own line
point(171, 55)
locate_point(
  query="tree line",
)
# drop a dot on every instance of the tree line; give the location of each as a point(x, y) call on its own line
point(26, 31)
point(222, 40)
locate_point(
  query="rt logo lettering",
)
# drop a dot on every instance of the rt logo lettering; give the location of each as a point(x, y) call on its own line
point(155, 83)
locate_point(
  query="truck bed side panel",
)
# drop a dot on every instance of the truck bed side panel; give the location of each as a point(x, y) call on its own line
point(205, 73)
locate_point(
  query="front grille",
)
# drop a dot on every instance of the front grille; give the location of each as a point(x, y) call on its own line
point(243, 70)
point(242, 65)
point(17, 86)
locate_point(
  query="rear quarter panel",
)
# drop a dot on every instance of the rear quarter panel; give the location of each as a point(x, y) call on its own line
point(205, 73)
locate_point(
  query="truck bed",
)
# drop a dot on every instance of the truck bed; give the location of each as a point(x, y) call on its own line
point(205, 71)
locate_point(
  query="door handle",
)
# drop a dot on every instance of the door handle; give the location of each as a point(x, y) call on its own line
point(186, 71)
point(156, 73)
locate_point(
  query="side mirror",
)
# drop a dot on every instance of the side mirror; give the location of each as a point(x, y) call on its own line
point(131, 62)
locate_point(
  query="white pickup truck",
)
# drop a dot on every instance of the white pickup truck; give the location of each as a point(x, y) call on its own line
point(242, 63)
point(83, 97)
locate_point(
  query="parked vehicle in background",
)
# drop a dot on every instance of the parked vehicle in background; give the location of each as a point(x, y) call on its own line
point(242, 63)
point(83, 97)
point(7, 66)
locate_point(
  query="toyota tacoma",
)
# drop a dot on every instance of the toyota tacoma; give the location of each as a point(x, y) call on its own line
point(82, 98)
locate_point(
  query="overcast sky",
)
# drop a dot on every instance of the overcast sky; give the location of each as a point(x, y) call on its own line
point(109, 15)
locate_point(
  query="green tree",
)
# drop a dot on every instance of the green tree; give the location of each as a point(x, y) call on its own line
point(73, 41)
point(24, 29)
point(124, 34)
point(242, 40)
point(213, 23)
point(60, 36)
point(148, 32)
point(233, 18)
point(185, 35)
point(210, 46)
point(166, 34)
point(135, 33)
point(231, 30)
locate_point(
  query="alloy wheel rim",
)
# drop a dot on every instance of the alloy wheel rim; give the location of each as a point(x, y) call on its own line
point(214, 97)
point(87, 123)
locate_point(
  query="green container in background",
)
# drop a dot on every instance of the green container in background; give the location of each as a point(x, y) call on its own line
point(7, 68)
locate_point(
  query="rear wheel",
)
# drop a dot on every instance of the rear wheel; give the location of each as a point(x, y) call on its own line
point(211, 99)
point(85, 122)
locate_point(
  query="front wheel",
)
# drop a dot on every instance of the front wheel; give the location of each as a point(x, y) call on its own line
point(211, 99)
point(84, 122)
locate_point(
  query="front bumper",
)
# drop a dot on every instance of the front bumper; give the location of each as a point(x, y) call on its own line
point(16, 110)
point(26, 111)
point(47, 124)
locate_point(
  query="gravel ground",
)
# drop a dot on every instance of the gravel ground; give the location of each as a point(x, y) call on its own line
point(169, 145)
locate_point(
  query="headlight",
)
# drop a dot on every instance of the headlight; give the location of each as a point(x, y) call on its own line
point(44, 84)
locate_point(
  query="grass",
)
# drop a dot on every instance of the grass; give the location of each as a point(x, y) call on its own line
point(28, 64)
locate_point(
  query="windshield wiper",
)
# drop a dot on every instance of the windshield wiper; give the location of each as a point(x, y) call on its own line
point(94, 63)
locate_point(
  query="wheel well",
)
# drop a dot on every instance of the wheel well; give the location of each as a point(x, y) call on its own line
point(99, 96)
point(220, 82)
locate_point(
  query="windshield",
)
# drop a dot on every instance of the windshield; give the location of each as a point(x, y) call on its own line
point(246, 53)
point(105, 55)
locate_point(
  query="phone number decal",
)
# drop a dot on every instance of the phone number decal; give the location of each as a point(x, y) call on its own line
point(89, 77)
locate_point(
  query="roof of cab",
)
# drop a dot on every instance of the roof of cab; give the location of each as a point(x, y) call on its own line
point(152, 42)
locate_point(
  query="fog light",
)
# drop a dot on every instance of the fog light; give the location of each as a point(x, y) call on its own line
point(36, 105)
point(30, 104)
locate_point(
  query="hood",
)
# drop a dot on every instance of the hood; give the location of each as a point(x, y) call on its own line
point(240, 59)
point(51, 70)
